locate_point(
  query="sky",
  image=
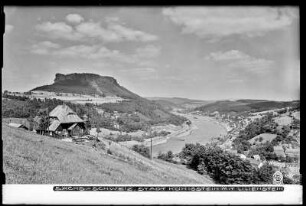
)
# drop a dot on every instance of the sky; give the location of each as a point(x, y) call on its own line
point(207, 53)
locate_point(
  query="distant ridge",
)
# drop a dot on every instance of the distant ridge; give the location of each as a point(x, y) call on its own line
point(87, 83)
point(245, 105)
point(179, 102)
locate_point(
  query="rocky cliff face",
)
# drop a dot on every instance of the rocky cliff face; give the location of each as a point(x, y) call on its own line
point(87, 83)
point(84, 77)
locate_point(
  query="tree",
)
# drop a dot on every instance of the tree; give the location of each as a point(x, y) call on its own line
point(44, 121)
point(264, 175)
point(141, 149)
point(166, 157)
point(223, 167)
point(287, 180)
point(98, 131)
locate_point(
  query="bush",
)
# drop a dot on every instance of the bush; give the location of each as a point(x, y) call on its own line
point(99, 145)
point(188, 153)
point(141, 149)
point(109, 152)
point(123, 138)
point(287, 180)
point(166, 156)
point(223, 167)
point(263, 175)
point(265, 151)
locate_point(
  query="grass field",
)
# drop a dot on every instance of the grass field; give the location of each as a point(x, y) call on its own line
point(283, 120)
point(265, 137)
point(29, 158)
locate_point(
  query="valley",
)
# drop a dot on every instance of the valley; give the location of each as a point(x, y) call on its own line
point(260, 133)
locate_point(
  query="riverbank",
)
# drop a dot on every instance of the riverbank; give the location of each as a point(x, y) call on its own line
point(175, 132)
point(201, 131)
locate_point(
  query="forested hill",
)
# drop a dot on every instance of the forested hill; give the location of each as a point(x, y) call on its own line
point(87, 83)
point(144, 112)
point(245, 105)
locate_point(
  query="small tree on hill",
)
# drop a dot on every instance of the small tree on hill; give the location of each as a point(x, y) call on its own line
point(43, 122)
point(98, 131)
point(166, 157)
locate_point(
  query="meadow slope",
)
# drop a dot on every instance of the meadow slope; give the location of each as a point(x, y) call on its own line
point(29, 158)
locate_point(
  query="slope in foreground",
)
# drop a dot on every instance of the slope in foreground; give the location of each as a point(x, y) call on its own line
point(33, 159)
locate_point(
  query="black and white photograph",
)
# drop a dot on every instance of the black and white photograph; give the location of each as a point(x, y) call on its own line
point(151, 96)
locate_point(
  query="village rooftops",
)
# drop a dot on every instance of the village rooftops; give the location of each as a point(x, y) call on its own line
point(65, 115)
point(256, 157)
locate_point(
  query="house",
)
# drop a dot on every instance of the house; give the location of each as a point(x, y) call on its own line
point(64, 121)
point(234, 152)
point(214, 114)
point(246, 153)
point(20, 123)
point(256, 157)
point(255, 163)
point(277, 164)
point(242, 156)
point(17, 125)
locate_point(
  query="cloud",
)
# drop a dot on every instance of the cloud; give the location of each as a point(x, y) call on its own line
point(58, 30)
point(45, 47)
point(143, 73)
point(131, 34)
point(74, 18)
point(235, 78)
point(149, 51)
point(92, 52)
point(142, 56)
point(218, 22)
point(229, 55)
point(8, 28)
point(236, 59)
point(112, 19)
point(114, 31)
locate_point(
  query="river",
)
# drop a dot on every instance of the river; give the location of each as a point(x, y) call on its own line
point(202, 130)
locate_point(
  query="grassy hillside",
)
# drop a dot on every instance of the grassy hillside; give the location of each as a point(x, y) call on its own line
point(168, 105)
point(29, 158)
